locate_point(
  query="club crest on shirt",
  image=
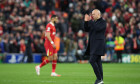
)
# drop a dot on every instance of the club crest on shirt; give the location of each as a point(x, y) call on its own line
point(53, 33)
point(48, 29)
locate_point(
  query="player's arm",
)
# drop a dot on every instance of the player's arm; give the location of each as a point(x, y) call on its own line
point(50, 39)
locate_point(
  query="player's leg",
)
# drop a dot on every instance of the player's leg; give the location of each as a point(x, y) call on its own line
point(54, 63)
point(50, 58)
point(42, 64)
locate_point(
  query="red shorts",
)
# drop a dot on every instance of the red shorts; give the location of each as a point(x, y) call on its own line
point(50, 51)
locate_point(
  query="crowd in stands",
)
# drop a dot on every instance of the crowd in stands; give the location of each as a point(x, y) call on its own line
point(22, 18)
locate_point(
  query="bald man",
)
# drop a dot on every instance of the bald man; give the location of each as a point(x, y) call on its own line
point(96, 43)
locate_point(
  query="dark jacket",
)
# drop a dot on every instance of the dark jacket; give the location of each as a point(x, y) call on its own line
point(96, 43)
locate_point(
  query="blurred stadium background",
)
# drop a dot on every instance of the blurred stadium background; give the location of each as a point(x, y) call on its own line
point(22, 27)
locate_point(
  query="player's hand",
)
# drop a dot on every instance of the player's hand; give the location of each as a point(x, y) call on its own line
point(87, 17)
point(54, 46)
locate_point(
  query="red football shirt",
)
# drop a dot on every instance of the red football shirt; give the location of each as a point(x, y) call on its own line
point(50, 28)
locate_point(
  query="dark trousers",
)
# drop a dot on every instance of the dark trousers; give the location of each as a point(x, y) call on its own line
point(96, 64)
point(28, 53)
point(119, 56)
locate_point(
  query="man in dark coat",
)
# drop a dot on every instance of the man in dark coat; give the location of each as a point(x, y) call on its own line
point(28, 51)
point(96, 46)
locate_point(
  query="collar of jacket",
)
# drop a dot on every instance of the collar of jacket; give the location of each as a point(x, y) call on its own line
point(98, 19)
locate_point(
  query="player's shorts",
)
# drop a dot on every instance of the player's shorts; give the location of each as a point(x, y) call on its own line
point(50, 51)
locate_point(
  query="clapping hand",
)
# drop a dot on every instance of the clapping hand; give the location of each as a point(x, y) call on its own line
point(87, 17)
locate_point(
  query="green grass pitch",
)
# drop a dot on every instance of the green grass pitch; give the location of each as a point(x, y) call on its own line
point(71, 74)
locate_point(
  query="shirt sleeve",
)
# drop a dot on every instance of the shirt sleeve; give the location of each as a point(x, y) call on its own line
point(87, 25)
point(48, 28)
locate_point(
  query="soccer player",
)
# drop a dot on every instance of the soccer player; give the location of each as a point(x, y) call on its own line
point(50, 46)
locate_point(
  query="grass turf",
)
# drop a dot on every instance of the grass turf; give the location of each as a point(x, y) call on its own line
point(71, 74)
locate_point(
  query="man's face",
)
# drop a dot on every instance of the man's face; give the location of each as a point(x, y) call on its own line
point(55, 19)
point(94, 15)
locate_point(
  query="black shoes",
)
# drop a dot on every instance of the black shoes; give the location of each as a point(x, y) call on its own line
point(99, 82)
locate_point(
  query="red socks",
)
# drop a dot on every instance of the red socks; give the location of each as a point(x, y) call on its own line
point(54, 62)
point(44, 63)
